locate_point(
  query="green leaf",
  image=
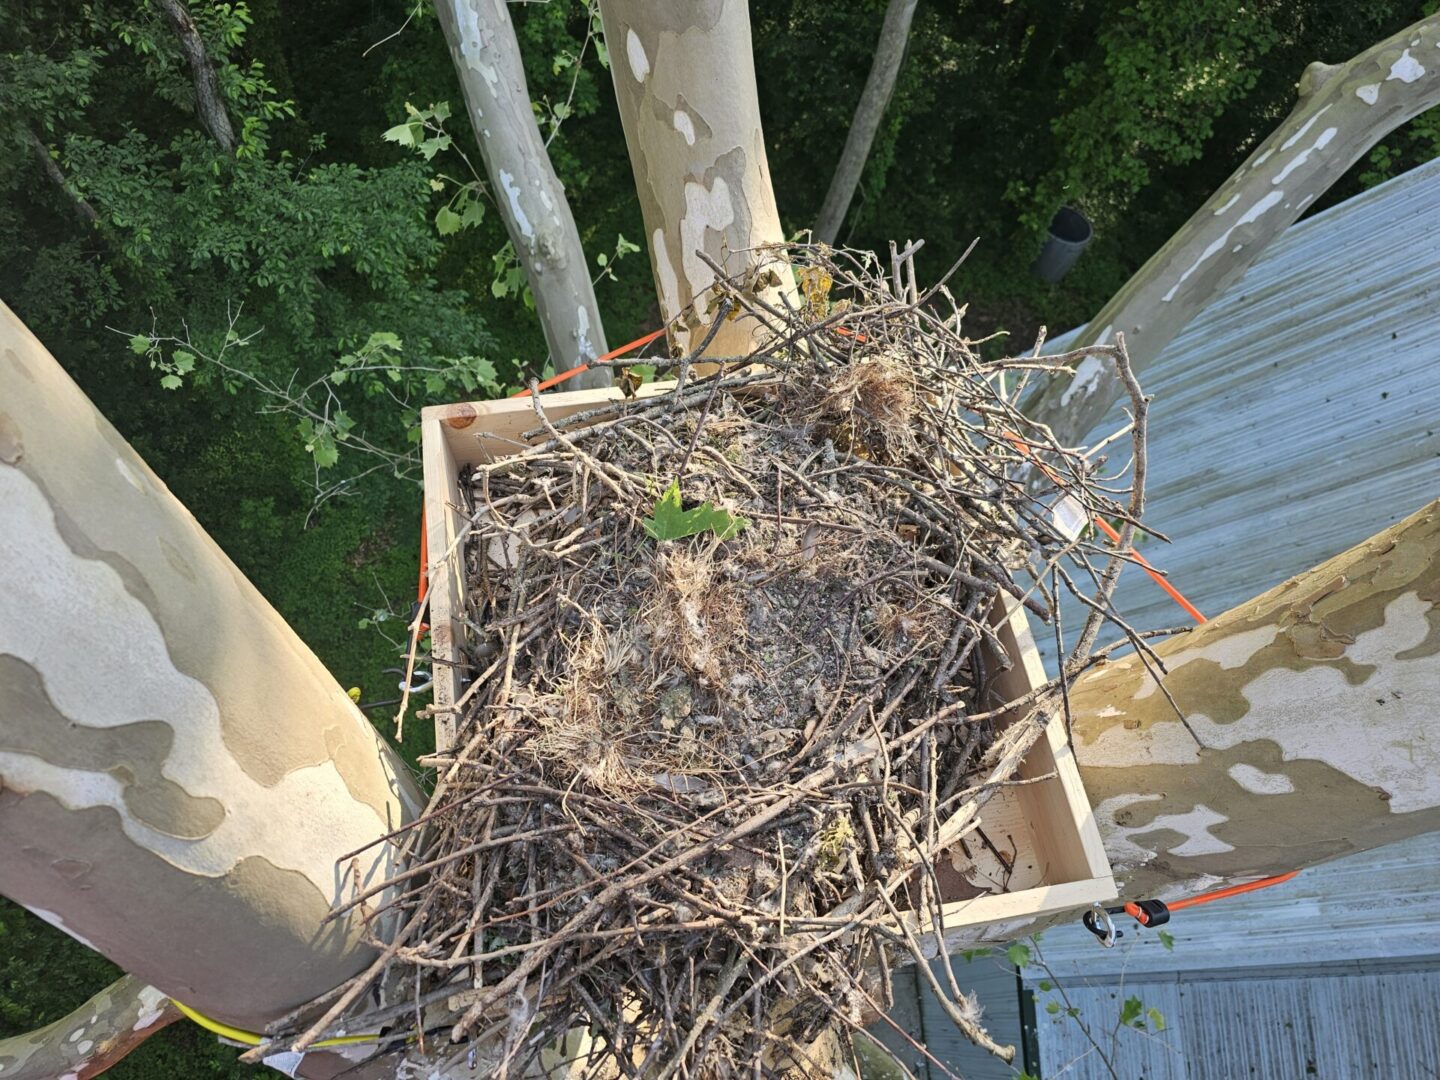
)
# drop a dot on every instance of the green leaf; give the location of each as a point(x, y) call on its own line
point(1168, 940)
point(1131, 1010)
point(343, 424)
point(1157, 1019)
point(1052, 1007)
point(673, 523)
point(382, 339)
point(139, 344)
point(325, 451)
point(171, 382)
point(1019, 954)
point(404, 134)
point(440, 110)
point(447, 221)
point(1046, 986)
point(184, 362)
point(473, 213)
point(431, 147)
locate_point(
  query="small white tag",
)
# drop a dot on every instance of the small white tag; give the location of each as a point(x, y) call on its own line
point(1069, 517)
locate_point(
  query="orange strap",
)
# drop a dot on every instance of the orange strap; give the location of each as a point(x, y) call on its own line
point(556, 380)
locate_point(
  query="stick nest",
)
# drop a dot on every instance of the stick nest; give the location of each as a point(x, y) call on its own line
point(700, 780)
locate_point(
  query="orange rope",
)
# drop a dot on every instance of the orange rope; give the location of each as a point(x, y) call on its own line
point(556, 380)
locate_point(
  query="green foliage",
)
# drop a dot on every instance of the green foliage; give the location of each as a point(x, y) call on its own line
point(671, 522)
point(1167, 939)
point(1018, 954)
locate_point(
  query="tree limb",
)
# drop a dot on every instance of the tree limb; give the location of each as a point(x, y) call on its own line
point(889, 51)
point(93, 1037)
point(58, 178)
point(1313, 708)
point(1343, 110)
point(528, 194)
point(209, 102)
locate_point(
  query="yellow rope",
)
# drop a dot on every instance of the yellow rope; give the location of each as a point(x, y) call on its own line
point(250, 1038)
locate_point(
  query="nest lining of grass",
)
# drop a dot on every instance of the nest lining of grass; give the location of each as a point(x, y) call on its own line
point(698, 779)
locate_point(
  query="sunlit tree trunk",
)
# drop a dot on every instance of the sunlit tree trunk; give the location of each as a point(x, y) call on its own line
point(1343, 110)
point(1308, 726)
point(685, 83)
point(889, 52)
point(527, 192)
point(92, 1038)
point(178, 773)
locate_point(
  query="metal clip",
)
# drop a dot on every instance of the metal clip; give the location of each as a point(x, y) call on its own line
point(1097, 920)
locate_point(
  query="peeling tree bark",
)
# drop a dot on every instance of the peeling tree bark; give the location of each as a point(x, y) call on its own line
point(178, 772)
point(889, 52)
point(209, 102)
point(92, 1038)
point(685, 82)
point(1342, 112)
point(529, 195)
point(1314, 706)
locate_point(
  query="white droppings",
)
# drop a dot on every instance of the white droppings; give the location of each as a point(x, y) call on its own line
point(1237, 248)
point(639, 62)
point(85, 1047)
point(685, 126)
point(1262, 158)
point(131, 477)
point(75, 1035)
point(1227, 204)
point(59, 924)
point(1407, 69)
point(60, 606)
point(1369, 93)
point(1194, 825)
point(512, 191)
point(152, 1006)
point(1260, 782)
point(1270, 199)
point(1321, 141)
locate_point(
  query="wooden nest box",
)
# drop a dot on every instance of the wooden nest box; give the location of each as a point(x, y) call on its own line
point(1041, 853)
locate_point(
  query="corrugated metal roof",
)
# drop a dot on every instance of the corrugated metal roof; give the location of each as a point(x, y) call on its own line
point(1384, 904)
point(1298, 415)
point(1329, 1025)
point(1300, 412)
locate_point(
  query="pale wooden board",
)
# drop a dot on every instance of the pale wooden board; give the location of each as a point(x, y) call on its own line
point(1065, 863)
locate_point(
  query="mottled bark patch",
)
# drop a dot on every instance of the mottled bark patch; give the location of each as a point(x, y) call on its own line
point(133, 754)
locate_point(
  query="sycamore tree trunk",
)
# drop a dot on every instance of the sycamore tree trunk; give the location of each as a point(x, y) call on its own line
point(1343, 110)
point(92, 1038)
point(178, 773)
point(529, 195)
point(1308, 726)
point(889, 52)
point(685, 83)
